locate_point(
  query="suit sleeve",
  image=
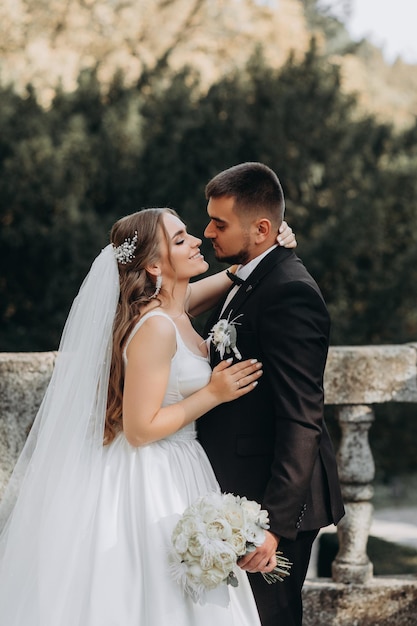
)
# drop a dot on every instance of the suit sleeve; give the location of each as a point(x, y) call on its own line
point(294, 333)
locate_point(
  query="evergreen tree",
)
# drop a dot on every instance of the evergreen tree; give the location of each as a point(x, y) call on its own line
point(67, 173)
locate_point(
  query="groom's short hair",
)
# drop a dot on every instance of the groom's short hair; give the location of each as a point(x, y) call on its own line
point(255, 187)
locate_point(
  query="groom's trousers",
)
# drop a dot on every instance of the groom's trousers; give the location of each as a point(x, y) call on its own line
point(280, 604)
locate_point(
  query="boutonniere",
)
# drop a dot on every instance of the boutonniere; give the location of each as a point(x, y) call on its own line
point(223, 336)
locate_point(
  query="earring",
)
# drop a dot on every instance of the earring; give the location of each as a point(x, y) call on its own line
point(158, 285)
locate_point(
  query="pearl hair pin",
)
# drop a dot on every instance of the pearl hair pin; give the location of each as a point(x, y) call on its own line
point(125, 252)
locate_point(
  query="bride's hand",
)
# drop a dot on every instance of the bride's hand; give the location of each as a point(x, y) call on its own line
point(286, 237)
point(230, 381)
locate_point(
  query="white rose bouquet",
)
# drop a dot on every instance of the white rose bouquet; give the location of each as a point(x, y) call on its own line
point(210, 537)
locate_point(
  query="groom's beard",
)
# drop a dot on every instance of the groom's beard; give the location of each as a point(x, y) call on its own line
point(239, 258)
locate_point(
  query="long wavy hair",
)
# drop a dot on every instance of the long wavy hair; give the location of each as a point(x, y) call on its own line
point(136, 289)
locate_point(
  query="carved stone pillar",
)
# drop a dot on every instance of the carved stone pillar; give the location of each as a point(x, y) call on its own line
point(356, 471)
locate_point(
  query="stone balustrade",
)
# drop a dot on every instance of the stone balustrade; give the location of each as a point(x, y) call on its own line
point(356, 378)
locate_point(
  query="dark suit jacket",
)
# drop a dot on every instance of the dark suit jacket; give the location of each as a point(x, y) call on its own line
point(272, 445)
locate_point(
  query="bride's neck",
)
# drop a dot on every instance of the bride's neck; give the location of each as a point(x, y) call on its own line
point(175, 303)
point(174, 308)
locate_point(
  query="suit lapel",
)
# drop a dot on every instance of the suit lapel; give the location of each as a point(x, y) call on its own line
point(244, 292)
point(239, 298)
point(254, 279)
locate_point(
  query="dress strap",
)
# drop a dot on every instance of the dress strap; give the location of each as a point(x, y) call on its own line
point(139, 324)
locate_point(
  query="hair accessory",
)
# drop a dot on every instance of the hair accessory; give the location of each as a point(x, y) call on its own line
point(158, 285)
point(124, 252)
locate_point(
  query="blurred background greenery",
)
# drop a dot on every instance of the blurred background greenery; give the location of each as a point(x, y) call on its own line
point(67, 172)
point(106, 148)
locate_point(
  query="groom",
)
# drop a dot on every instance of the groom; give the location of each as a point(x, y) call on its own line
point(272, 445)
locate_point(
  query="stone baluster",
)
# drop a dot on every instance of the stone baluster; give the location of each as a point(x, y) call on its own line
point(356, 471)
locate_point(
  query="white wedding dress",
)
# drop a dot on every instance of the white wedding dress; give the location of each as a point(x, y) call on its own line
point(143, 492)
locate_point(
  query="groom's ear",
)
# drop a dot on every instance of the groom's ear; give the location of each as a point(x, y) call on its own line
point(263, 230)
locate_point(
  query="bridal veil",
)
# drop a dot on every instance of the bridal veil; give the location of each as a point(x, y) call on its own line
point(48, 509)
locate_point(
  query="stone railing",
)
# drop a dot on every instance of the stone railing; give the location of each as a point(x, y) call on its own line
point(356, 378)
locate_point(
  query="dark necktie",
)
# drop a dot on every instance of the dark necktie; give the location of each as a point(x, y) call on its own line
point(235, 279)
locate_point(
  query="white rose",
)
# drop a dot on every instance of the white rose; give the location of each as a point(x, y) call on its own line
point(181, 543)
point(228, 499)
point(251, 508)
point(225, 560)
point(190, 525)
point(263, 519)
point(235, 516)
point(195, 544)
point(208, 512)
point(238, 542)
point(219, 529)
point(213, 577)
point(254, 534)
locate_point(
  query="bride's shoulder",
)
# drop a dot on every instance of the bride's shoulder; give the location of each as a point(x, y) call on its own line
point(157, 321)
point(155, 335)
point(154, 327)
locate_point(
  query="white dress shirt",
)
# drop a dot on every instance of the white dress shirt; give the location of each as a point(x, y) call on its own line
point(243, 271)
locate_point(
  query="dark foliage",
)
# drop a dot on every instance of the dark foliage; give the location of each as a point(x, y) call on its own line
point(67, 173)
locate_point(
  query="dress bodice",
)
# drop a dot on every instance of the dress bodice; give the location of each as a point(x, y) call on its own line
point(189, 372)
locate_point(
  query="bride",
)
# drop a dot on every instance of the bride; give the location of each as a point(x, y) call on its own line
point(112, 460)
